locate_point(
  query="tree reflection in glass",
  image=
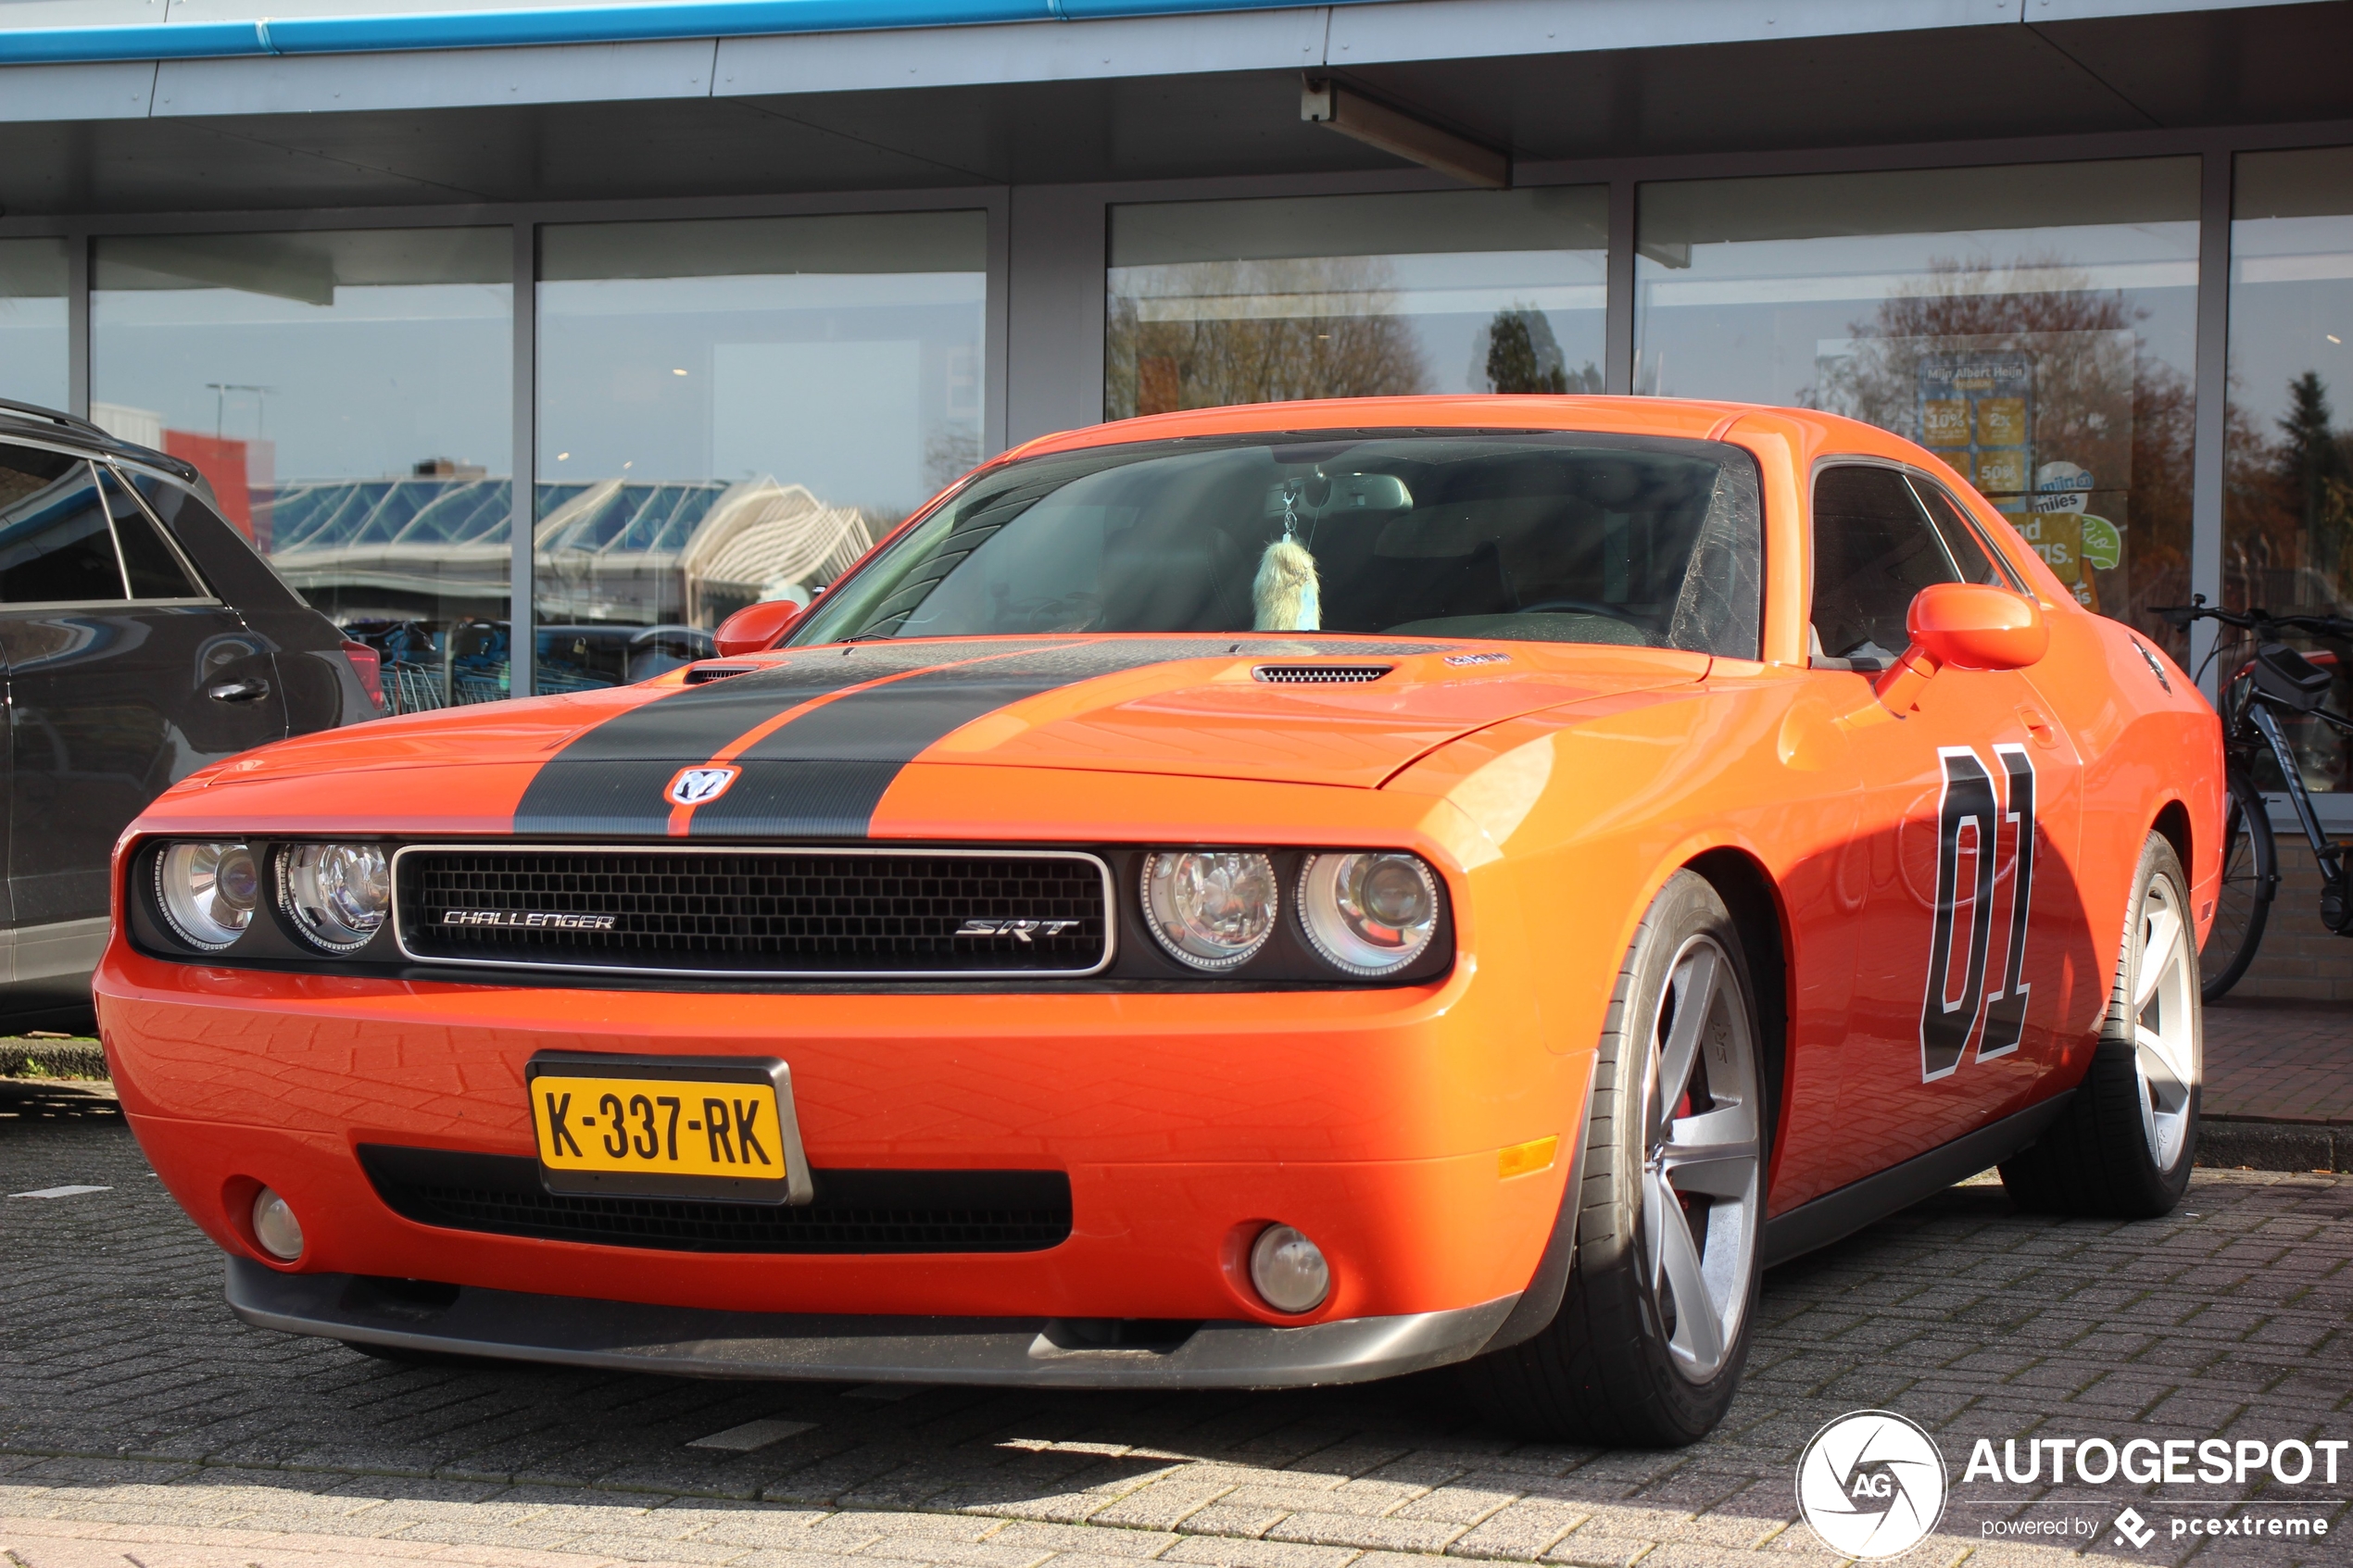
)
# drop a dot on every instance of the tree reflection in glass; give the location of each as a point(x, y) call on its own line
point(1271, 301)
point(2031, 382)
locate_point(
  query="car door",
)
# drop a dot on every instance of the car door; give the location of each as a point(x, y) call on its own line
point(1969, 807)
point(126, 674)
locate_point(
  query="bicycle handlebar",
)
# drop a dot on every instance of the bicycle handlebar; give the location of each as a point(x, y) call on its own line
point(2255, 619)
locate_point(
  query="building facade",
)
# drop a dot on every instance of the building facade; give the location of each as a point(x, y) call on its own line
point(738, 283)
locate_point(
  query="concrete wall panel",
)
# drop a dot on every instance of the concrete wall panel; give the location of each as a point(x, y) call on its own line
point(441, 78)
point(838, 62)
point(67, 93)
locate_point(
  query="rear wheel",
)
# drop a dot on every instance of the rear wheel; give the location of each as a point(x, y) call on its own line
point(2251, 876)
point(1654, 1326)
point(2123, 1147)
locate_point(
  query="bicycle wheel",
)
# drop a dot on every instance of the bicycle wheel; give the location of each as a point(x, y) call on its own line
point(2251, 876)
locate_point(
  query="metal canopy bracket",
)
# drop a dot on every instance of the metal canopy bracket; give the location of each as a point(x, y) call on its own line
point(1397, 132)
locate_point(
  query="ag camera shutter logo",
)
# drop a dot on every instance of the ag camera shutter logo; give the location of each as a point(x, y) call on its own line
point(1872, 1484)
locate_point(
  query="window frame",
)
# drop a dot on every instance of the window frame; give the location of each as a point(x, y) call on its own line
point(1904, 471)
point(99, 467)
point(179, 552)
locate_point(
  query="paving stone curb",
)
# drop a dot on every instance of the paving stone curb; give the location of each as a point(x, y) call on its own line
point(51, 1059)
point(2232, 1143)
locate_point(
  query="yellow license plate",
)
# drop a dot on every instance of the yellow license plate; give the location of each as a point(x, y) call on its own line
point(667, 1128)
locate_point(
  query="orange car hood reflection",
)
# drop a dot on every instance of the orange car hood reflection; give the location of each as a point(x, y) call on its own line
point(820, 734)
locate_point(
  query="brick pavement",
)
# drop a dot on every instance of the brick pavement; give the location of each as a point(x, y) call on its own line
point(2276, 1061)
point(139, 1423)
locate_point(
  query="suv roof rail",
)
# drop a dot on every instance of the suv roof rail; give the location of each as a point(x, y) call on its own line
point(105, 437)
point(56, 416)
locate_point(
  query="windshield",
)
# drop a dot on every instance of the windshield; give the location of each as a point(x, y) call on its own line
point(1552, 536)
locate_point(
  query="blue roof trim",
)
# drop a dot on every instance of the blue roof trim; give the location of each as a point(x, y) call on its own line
point(590, 24)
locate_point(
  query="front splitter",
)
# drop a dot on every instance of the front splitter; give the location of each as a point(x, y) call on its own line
point(700, 1342)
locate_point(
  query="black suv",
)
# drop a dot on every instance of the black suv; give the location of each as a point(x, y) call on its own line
point(142, 638)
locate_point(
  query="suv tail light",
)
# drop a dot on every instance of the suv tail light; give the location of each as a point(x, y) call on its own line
point(368, 665)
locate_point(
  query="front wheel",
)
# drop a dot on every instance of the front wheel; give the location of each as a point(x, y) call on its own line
point(2251, 876)
point(1654, 1326)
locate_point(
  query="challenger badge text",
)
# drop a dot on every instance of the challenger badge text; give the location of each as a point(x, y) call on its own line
point(537, 920)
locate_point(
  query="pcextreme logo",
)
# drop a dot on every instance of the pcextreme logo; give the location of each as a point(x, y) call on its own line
point(1872, 1484)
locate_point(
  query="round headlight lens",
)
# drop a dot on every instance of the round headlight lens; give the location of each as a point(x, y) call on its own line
point(1368, 911)
point(207, 891)
point(1211, 908)
point(338, 894)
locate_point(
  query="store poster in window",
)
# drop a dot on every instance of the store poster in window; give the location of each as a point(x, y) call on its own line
point(1977, 411)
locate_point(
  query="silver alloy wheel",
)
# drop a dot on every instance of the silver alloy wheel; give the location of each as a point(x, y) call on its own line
point(1701, 1164)
point(2164, 1019)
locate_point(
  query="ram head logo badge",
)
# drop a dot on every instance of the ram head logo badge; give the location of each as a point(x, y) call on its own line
point(700, 787)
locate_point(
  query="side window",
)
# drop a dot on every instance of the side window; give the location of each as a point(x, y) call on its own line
point(1873, 549)
point(1963, 542)
point(153, 567)
point(55, 545)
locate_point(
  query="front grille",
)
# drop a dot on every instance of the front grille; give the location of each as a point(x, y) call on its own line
point(854, 1211)
point(1320, 674)
point(816, 913)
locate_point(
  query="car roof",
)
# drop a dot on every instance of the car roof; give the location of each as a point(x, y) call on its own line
point(1689, 418)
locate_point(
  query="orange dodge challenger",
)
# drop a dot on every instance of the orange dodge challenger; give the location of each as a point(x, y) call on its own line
point(1260, 896)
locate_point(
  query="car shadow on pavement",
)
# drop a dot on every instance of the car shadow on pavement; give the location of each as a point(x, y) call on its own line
point(58, 1100)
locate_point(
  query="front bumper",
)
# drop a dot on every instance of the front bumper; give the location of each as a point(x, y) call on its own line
point(699, 1342)
point(1184, 1123)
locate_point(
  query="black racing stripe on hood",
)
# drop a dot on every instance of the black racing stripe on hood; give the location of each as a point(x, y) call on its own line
point(610, 780)
point(823, 775)
point(873, 734)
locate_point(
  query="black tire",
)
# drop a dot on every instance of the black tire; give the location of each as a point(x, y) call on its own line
point(2123, 1147)
point(2250, 878)
point(1614, 1365)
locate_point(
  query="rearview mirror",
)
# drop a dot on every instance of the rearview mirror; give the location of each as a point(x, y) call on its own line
point(1369, 493)
point(755, 628)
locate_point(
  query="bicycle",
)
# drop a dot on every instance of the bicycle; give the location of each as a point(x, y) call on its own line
point(2277, 680)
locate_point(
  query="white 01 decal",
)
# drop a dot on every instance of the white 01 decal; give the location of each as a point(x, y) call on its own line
point(1948, 1021)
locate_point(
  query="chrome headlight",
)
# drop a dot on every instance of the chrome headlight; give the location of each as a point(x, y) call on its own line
point(338, 894)
point(1368, 911)
point(1211, 908)
point(207, 891)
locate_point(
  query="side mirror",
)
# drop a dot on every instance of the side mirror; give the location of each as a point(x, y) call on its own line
point(1968, 626)
point(755, 628)
point(1972, 626)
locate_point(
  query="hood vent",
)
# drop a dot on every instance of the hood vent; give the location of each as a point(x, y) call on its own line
point(1320, 674)
point(698, 675)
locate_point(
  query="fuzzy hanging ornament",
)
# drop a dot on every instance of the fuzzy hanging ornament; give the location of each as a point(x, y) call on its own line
point(1285, 594)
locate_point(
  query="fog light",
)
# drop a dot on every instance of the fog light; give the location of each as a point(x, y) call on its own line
point(279, 1233)
point(1289, 1270)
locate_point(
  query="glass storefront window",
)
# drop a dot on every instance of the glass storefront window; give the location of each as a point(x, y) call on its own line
point(32, 322)
point(346, 394)
point(2287, 530)
point(732, 410)
point(2035, 325)
point(1269, 300)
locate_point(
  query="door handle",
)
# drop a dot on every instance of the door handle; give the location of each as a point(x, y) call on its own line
point(238, 691)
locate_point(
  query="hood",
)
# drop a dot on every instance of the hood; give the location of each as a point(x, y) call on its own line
point(806, 741)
